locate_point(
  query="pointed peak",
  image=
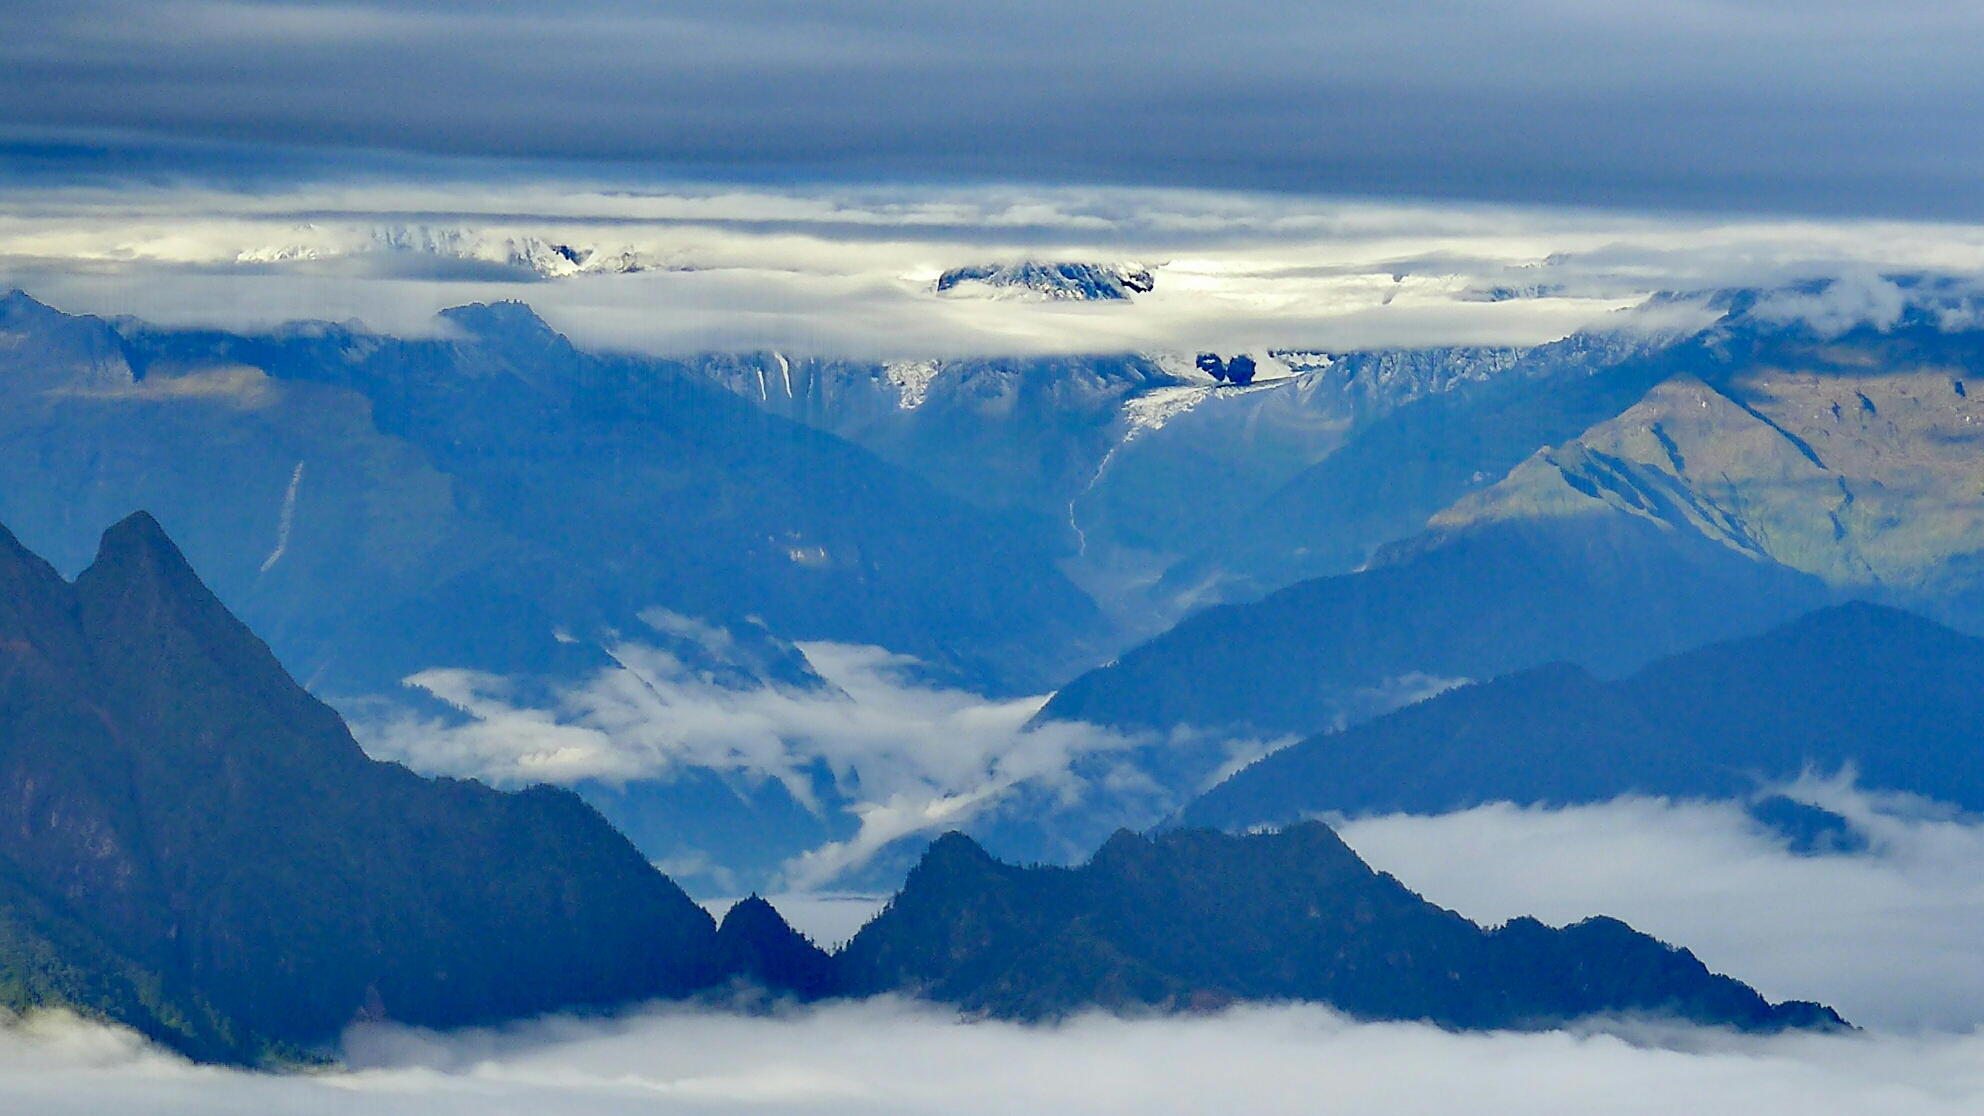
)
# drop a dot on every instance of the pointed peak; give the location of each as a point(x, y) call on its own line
point(136, 556)
point(138, 534)
point(752, 911)
point(954, 846)
point(17, 304)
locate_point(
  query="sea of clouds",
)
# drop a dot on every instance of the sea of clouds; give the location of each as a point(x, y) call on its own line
point(888, 1056)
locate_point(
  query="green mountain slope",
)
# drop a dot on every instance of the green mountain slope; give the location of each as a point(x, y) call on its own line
point(1384, 482)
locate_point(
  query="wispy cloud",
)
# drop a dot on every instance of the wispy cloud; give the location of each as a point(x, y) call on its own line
point(897, 753)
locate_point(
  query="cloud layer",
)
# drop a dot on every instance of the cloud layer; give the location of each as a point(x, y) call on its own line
point(884, 1057)
point(852, 272)
point(1720, 103)
point(1892, 936)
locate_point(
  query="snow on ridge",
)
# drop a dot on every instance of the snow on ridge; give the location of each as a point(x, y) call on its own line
point(1154, 408)
point(1048, 281)
point(548, 258)
point(912, 380)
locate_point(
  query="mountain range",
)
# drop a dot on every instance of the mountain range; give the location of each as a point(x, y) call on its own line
point(1200, 569)
point(1699, 490)
point(345, 488)
point(1881, 694)
point(196, 848)
point(1198, 919)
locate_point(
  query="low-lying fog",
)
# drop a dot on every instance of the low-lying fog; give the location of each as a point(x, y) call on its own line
point(892, 1057)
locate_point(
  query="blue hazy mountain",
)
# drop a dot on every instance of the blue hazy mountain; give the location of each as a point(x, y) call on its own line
point(1604, 592)
point(1860, 688)
point(1195, 919)
point(1701, 490)
point(1123, 465)
point(379, 506)
point(1492, 409)
point(198, 849)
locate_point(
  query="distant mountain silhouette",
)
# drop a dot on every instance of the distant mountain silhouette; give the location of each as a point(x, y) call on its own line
point(1196, 919)
point(1886, 693)
point(1607, 592)
point(191, 844)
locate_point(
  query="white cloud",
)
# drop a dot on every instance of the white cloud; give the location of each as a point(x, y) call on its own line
point(1892, 937)
point(904, 756)
point(1855, 298)
point(885, 1057)
point(849, 271)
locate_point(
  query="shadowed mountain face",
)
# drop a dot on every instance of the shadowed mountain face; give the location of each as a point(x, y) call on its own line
point(197, 848)
point(1888, 695)
point(379, 506)
point(1605, 592)
point(189, 831)
point(1197, 919)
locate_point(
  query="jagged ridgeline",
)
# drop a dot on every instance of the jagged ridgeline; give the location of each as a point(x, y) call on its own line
point(196, 847)
point(1884, 694)
point(1197, 919)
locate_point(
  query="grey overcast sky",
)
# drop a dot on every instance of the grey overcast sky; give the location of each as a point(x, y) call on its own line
point(1826, 107)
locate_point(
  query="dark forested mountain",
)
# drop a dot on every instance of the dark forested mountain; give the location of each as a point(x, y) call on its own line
point(756, 946)
point(193, 845)
point(1195, 918)
point(379, 506)
point(1885, 694)
point(1604, 592)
